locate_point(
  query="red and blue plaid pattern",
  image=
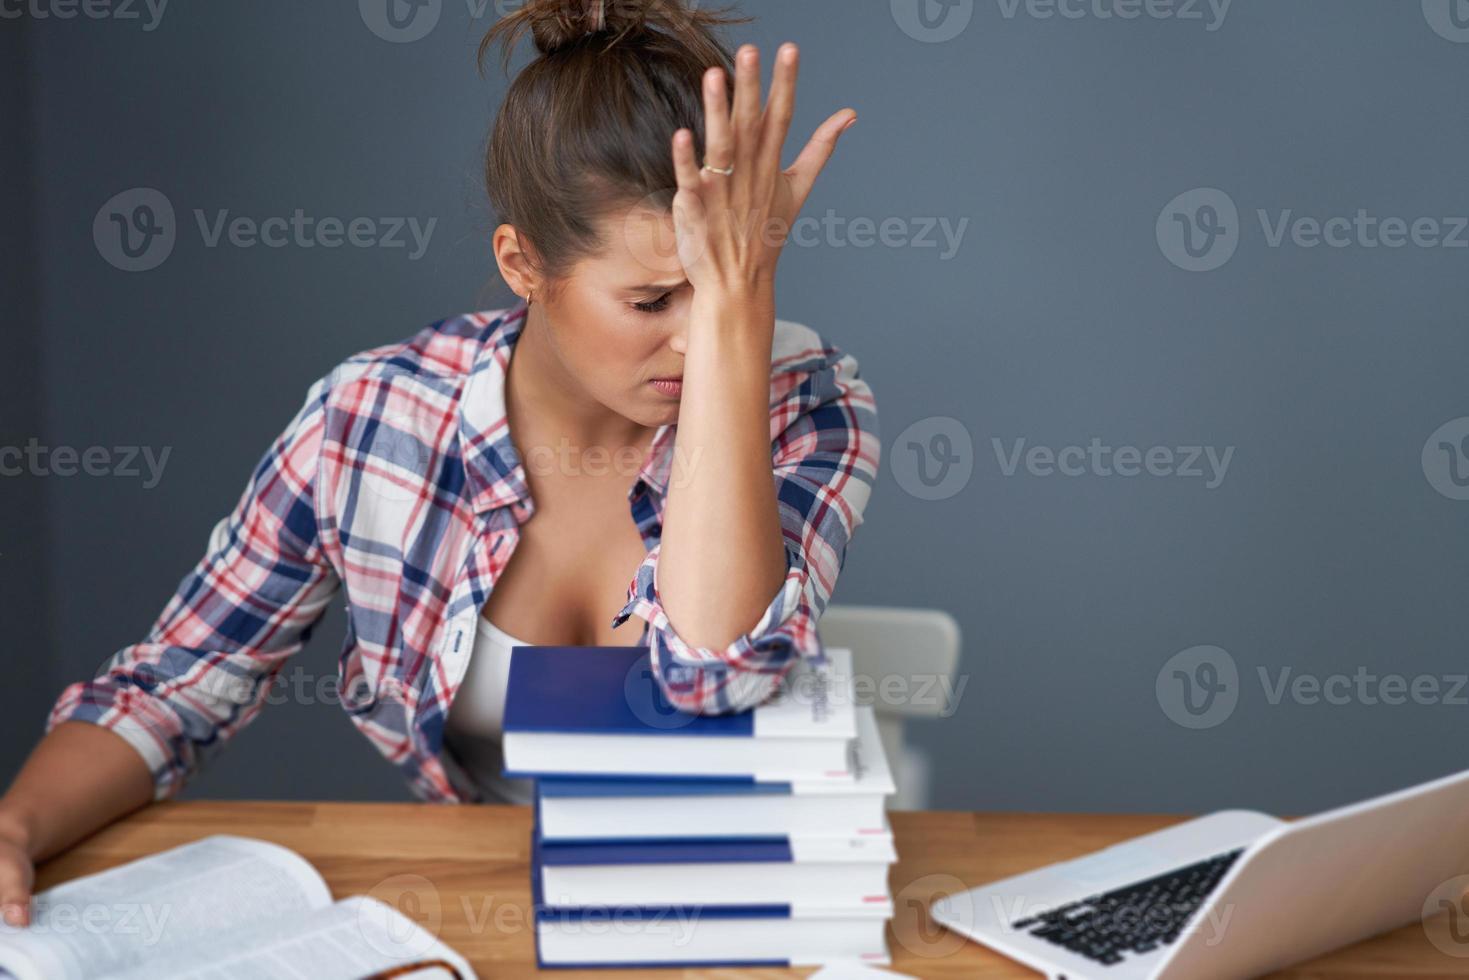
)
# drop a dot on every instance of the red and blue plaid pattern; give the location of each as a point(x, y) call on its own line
point(397, 482)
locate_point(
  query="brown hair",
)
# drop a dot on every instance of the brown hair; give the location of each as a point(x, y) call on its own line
point(588, 125)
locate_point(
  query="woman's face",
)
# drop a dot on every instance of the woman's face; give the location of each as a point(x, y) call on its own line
point(617, 322)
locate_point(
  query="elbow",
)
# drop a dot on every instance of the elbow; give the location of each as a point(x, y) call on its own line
point(719, 687)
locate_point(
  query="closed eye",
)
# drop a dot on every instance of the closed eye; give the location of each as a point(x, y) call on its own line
point(656, 306)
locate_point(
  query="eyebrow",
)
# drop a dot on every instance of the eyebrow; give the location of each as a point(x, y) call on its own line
point(659, 287)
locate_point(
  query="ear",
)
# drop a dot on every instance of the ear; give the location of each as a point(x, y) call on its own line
point(512, 255)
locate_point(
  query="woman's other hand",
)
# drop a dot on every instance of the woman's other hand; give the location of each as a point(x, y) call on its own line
point(17, 872)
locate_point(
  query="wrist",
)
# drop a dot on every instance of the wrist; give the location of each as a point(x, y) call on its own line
point(737, 300)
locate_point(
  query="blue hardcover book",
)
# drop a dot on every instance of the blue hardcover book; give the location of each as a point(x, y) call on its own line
point(621, 808)
point(627, 935)
point(599, 711)
point(827, 873)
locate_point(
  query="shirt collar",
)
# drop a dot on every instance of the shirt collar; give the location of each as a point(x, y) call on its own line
point(492, 465)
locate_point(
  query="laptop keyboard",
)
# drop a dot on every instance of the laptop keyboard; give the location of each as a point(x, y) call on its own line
point(1136, 918)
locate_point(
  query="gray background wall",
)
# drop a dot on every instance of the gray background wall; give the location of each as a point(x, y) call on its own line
point(1326, 548)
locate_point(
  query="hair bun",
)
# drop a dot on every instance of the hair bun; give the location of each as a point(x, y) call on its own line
point(681, 26)
point(556, 24)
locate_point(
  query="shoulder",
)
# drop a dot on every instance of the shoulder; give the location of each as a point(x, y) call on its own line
point(443, 352)
point(420, 376)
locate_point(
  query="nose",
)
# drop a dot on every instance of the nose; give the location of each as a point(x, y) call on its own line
point(678, 341)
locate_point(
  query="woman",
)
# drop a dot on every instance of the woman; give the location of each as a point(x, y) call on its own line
point(498, 478)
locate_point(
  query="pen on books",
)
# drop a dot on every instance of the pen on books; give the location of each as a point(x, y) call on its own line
point(405, 968)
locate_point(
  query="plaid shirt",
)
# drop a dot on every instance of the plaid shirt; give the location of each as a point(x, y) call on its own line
point(397, 481)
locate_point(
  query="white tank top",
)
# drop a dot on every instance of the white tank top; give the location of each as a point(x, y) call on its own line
point(477, 716)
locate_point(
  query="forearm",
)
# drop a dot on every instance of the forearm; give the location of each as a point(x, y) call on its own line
point(79, 778)
point(722, 557)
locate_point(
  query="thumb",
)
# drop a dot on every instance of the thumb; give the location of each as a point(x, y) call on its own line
point(16, 909)
point(15, 894)
point(817, 152)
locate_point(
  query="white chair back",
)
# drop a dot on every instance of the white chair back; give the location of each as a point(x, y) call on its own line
point(905, 662)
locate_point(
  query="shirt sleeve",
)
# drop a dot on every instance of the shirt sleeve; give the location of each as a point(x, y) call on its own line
point(824, 460)
point(203, 671)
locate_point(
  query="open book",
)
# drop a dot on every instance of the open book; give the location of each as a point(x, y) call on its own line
point(223, 907)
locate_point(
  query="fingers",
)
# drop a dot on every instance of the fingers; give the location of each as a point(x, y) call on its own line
point(778, 111)
point(685, 167)
point(818, 150)
point(747, 106)
point(15, 893)
point(718, 140)
point(688, 203)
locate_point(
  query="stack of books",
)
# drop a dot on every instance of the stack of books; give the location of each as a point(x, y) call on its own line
point(664, 838)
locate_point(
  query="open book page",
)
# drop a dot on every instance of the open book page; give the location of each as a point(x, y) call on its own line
point(108, 922)
point(356, 937)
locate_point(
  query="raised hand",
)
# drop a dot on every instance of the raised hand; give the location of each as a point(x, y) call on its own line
point(730, 228)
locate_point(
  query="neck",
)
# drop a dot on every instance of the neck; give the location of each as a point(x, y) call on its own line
point(546, 404)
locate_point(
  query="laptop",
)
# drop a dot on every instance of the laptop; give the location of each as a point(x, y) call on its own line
point(1230, 895)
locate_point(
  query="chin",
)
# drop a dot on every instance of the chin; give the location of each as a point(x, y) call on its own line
point(659, 416)
point(653, 412)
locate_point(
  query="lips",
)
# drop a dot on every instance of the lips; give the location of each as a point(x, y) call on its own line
point(672, 387)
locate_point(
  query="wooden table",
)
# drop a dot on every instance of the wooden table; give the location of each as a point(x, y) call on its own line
point(463, 872)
